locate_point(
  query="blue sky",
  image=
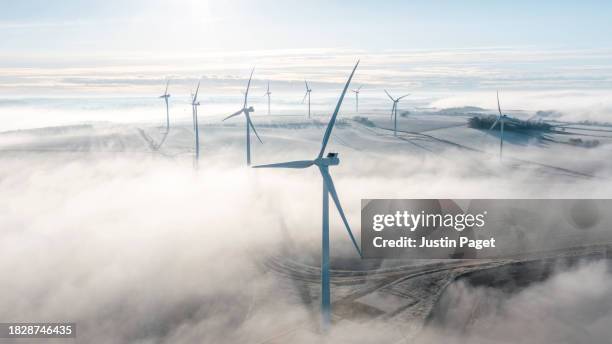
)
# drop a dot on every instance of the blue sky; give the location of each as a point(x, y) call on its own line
point(187, 26)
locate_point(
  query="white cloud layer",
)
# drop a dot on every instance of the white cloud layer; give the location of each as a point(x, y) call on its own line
point(142, 249)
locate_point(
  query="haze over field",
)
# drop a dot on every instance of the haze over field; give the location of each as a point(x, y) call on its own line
point(134, 243)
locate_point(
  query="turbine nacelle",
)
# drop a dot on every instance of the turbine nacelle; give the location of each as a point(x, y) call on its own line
point(249, 109)
point(330, 160)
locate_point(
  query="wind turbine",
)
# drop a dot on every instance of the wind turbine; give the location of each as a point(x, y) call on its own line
point(196, 129)
point(394, 110)
point(501, 119)
point(356, 91)
point(323, 164)
point(249, 124)
point(166, 96)
point(307, 94)
point(268, 93)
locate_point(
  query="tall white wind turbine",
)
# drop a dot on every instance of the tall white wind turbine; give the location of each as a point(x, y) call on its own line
point(394, 110)
point(500, 119)
point(196, 129)
point(249, 124)
point(356, 91)
point(165, 96)
point(268, 93)
point(307, 94)
point(323, 164)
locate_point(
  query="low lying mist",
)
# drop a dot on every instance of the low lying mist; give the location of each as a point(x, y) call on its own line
point(140, 248)
point(572, 306)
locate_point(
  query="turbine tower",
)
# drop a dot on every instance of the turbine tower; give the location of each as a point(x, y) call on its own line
point(196, 129)
point(394, 110)
point(166, 96)
point(323, 164)
point(249, 124)
point(500, 119)
point(356, 91)
point(268, 93)
point(307, 94)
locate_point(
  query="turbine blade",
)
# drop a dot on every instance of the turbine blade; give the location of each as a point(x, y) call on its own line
point(195, 97)
point(332, 191)
point(246, 94)
point(498, 107)
point(249, 122)
point(359, 88)
point(305, 95)
point(290, 164)
point(494, 124)
point(167, 84)
point(388, 95)
point(405, 95)
point(307, 88)
point(332, 121)
point(233, 115)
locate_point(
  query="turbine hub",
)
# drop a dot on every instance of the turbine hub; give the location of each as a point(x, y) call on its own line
point(250, 109)
point(330, 160)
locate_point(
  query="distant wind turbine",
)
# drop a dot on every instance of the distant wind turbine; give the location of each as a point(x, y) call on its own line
point(268, 93)
point(500, 119)
point(307, 94)
point(196, 129)
point(323, 164)
point(166, 96)
point(356, 91)
point(394, 110)
point(249, 124)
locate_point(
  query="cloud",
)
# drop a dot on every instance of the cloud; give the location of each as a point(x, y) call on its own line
point(436, 70)
point(572, 105)
point(572, 306)
point(136, 248)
